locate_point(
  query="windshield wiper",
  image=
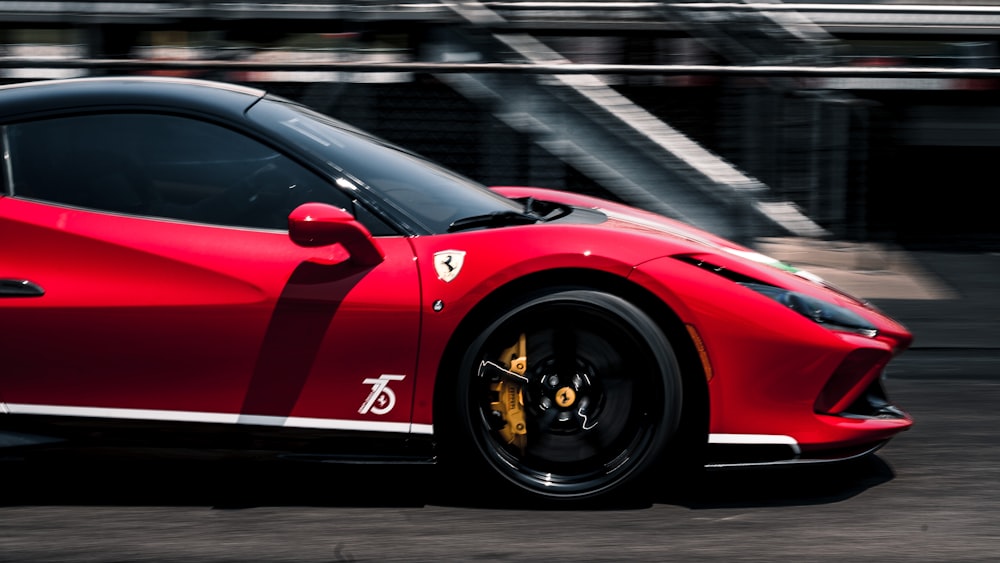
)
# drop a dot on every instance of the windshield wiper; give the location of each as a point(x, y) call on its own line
point(494, 219)
point(534, 211)
point(545, 210)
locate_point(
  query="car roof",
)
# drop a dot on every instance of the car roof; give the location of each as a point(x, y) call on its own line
point(203, 96)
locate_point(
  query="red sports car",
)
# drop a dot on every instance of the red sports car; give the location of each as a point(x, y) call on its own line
point(195, 265)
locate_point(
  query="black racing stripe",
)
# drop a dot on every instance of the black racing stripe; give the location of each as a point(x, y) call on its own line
point(301, 317)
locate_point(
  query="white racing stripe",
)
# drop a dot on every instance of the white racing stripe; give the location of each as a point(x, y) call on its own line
point(755, 440)
point(221, 418)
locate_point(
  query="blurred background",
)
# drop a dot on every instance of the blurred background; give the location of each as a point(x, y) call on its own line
point(873, 121)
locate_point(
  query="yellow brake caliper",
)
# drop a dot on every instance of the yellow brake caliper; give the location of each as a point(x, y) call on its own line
point(510, 397)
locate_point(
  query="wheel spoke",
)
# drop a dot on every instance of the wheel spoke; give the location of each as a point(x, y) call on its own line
point(545, 421)
point(564, 349)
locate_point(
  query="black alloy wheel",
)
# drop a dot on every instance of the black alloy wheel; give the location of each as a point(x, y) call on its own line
point(570, 395)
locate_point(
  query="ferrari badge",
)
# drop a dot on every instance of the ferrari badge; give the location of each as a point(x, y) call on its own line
point(448, 263)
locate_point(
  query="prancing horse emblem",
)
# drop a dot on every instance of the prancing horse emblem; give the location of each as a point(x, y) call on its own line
point(448, 263)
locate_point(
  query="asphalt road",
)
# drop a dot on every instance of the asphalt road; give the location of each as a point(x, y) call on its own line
point(930, 495)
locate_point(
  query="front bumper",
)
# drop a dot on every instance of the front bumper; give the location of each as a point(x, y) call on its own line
point(872, 419)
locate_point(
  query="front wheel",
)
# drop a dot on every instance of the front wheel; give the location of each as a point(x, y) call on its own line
point(569, 395)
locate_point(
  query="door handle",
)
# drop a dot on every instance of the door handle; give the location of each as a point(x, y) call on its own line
point(20, 288)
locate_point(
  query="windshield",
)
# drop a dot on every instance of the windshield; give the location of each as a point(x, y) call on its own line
point(426, 194)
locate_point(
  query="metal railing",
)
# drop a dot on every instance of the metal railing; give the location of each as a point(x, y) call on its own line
point(793, 71)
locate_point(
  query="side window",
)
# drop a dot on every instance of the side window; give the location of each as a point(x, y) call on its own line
point(162, 166)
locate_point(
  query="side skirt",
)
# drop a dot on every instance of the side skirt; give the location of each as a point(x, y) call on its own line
point(22, 434)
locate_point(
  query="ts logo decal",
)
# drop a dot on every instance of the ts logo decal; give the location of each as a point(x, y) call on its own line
point(381, 400)
point(448, 263)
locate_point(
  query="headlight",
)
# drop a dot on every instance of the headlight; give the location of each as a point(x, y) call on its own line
point(821, 312)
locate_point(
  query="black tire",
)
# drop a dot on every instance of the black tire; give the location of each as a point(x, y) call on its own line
point(601, 396)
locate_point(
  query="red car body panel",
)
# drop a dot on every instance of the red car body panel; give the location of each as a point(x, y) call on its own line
point(488, 266)
point(155, 315)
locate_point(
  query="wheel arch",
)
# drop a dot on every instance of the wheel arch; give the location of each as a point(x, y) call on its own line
point(692, 432)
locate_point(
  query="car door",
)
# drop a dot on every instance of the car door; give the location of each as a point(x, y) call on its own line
point(146, 274)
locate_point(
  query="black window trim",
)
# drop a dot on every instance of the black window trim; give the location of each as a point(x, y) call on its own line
point(361, 197)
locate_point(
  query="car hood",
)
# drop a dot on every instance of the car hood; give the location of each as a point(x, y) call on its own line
point(695, 241)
